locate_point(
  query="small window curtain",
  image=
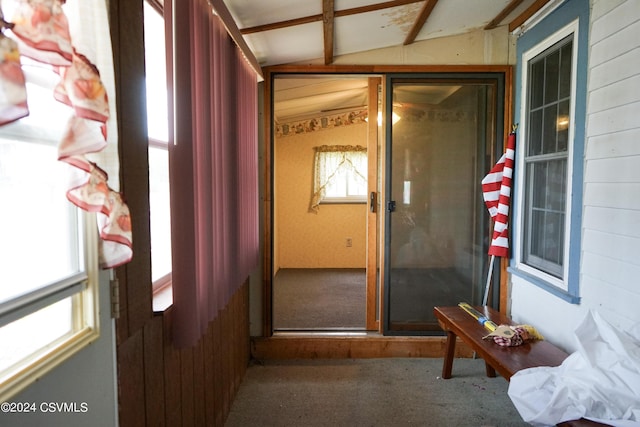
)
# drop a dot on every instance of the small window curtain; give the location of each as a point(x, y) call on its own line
point(329, 162)
point(72, 39)
point(213, 164)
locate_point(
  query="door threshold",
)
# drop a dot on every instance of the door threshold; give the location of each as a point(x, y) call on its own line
point(323, 333)
point(345, 345)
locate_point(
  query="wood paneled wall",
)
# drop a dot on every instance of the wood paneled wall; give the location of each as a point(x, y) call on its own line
point(161, 385)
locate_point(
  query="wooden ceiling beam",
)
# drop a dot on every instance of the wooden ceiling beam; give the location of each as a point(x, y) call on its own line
point(531, 10)
point(320, 17)
point(503, 14)
point(427, 8)
point(327, 28)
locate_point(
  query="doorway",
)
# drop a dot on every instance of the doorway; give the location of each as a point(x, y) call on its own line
point(325, 189)
point(423, 224)
point(437, 224)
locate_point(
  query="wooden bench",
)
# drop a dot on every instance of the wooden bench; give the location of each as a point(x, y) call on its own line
point(505, 360)
point(457, 323)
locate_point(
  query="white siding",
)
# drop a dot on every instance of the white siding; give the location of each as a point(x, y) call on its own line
point(610, 253)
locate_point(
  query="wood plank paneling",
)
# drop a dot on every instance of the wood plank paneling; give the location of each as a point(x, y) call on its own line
point(225, 356)
point(161, 385)
point(186, 388)
point(154, 364)
point(131, 384)
point(218, 373)
point(209, 377)
point(172, 371)
point(199, 386)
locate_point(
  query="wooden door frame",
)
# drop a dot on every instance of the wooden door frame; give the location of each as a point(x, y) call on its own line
point(372, 70)
point(373, 209)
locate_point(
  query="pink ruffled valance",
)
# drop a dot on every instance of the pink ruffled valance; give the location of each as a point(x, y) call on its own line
point(42, 29)
point(80, 88)
point(42, 33)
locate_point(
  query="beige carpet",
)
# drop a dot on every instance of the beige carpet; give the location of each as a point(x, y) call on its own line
point(319, 299)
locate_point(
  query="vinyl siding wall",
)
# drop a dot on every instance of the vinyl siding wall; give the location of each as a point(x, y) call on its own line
point(610, 253)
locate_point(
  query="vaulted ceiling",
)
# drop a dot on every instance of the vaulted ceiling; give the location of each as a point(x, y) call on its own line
point(295, 31)
point(319, 31)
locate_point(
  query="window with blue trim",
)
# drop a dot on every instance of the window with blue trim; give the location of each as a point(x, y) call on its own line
point(550, 106)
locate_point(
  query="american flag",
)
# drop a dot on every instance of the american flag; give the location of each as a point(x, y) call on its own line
point(496, 191)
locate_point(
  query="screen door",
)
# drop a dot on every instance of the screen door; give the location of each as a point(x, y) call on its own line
point(443, 135)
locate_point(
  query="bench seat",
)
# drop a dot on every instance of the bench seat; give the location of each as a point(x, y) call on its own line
point(505, 360)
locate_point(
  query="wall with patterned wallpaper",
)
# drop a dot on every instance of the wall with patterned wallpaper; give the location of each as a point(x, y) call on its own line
point(308, 240)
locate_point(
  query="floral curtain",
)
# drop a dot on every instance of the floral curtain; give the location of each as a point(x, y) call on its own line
point(70, 38)
point(329, 162)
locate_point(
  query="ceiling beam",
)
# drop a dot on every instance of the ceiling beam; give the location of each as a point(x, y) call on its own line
point(320, 17)
point(531, 10)
point(503, 14)
point(327, 28)
point(427, 8)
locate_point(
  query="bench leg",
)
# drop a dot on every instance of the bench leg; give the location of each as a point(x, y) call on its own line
point(448, 355)
point(490, 371)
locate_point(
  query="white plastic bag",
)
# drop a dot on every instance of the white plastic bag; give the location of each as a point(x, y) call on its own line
point(600, 381)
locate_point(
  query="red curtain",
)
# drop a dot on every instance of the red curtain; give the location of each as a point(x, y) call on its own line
point(213, 163)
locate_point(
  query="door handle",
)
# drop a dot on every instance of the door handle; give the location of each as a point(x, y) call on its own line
point(391, 206)
point(372, 202)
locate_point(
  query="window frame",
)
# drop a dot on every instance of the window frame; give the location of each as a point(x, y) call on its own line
point(161, 288)
point(524, 255)
point(569, 17)
point(82, 287)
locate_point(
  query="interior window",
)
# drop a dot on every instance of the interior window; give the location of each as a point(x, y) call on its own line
point(340, 174)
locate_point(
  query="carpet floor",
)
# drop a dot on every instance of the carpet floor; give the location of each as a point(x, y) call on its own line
point(319, 299)
point(371, 392)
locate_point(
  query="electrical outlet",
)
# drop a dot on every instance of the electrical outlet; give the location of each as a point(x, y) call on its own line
point(349, 242)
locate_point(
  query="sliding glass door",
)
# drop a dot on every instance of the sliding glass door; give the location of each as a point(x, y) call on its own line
point(443, 135)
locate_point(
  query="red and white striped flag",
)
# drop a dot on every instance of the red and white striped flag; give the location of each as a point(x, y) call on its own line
point(496, 191)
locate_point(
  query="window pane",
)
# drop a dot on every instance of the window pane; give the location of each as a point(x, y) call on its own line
point(357, 187)
point(538, 174)
point(40, 224)
point(156, 76)
point(563, 126)
point(565, 70)
point(158, 125)
point(546, 201)
point(552, 232)
point(549, 129)
point(556, 185)
point(537, 239)
point(535, 132)
point(552, 67)
point(537, 84)
point(343, 174)
point(43, 326)
point(160, 213)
